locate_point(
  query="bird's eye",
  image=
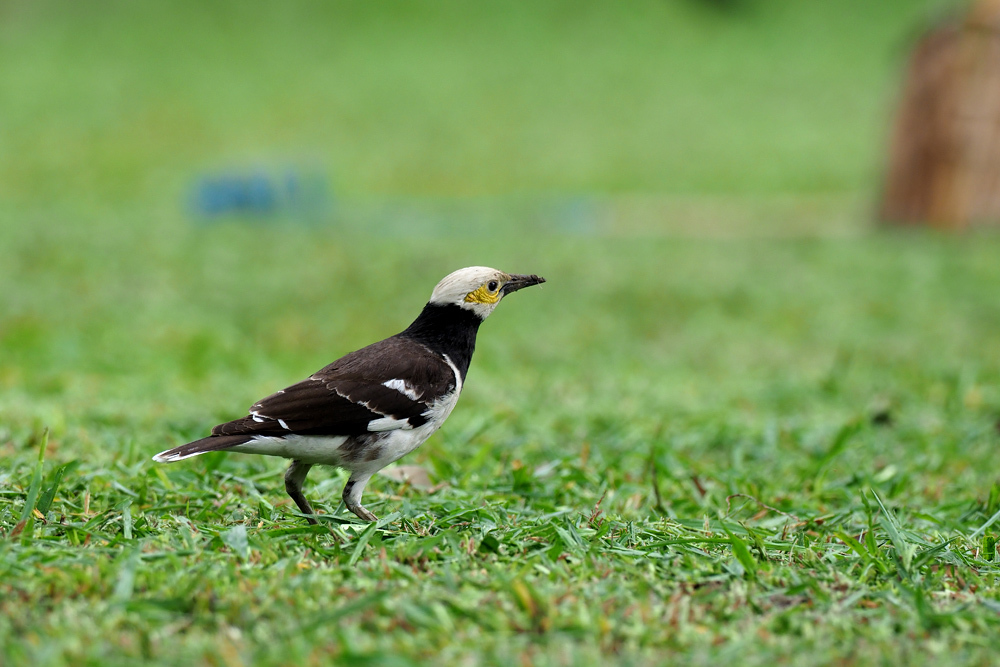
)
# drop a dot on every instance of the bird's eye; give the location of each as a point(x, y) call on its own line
point(492, 286)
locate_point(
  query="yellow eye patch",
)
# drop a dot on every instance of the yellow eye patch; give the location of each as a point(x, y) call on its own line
point(483, 295)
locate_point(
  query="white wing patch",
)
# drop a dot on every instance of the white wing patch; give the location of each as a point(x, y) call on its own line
point(402, 387)
point(388, 424)
point(458, 377)
point(260, 419)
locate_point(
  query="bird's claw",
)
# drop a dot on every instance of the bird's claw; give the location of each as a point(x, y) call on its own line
point(363, 513)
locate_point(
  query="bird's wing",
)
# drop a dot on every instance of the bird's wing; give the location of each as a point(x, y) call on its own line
point(386, 386)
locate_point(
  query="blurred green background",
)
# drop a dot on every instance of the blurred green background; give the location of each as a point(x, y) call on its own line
point(111, 104)
point(695, 179)
point(612, 148)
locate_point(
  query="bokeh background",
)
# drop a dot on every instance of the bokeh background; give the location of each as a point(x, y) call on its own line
point(204, 178)
point(203, 202)
point(112, 108)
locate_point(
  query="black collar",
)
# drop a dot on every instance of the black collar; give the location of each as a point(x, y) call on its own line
point(447, 329)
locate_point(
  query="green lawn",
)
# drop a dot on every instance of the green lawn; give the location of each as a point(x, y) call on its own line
point(738, 423)
point(676, 449)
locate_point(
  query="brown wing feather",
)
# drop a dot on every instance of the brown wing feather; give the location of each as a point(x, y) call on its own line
point(342, 398)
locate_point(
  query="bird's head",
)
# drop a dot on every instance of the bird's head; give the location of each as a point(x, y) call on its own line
point(479, 288)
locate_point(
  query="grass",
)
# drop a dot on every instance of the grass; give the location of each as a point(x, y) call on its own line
point(678, 449)
point(737, 424)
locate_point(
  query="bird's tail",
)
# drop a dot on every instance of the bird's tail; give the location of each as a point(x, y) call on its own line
point(212, 443)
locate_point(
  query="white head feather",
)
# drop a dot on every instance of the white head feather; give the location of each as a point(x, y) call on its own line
point(469, 288)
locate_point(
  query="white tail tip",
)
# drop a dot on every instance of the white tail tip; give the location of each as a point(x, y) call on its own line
point(167, 457)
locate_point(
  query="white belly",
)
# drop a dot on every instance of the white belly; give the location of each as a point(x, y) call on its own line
point(324, 449)
point(366, 453)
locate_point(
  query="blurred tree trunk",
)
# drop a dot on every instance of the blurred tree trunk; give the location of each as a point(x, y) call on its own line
point(944, 160)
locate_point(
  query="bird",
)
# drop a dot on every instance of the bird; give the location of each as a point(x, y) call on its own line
point(372, 406)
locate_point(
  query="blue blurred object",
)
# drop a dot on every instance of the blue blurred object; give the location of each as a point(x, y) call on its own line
point(261, 195)
point(578, 215)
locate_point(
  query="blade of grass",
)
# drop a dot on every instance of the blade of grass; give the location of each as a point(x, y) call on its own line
point(45, 502)
point(840, 440)
point(27, 520)
point(236, 539)
point(126, 576)
point(927, 554)
point(993, 519)
point(742, 553)
point(359, 547)
point(127, 519)
point(904, 550)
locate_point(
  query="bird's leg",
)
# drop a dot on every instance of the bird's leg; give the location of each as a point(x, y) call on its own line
point(352, 497)
point(294, 477)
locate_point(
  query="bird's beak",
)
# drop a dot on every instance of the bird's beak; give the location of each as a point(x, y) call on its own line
point(517, 282)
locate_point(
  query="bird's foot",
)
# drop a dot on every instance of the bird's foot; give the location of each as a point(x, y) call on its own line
point(362, 513)
point(352, 498)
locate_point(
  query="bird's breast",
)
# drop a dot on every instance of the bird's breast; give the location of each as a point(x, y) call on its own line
point(394, 445)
